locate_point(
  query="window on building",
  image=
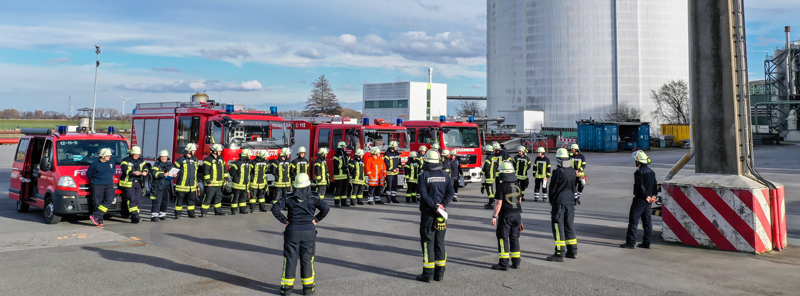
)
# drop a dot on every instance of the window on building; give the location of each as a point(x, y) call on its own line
point(386, 104)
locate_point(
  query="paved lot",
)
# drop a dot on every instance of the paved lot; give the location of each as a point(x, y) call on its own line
point(374, 250)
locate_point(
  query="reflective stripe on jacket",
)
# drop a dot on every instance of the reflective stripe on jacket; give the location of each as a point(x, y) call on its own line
point(376, 171)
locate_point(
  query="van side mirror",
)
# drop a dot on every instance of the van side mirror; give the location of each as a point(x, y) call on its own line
point(45, 165)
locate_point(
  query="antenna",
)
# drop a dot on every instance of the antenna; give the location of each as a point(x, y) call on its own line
point(123, 103)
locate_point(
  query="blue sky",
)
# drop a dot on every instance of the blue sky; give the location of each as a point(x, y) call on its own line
point(262, 53)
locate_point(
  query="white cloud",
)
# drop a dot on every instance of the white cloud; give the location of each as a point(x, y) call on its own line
point(310, 53)
point(167, 69)
point(183, 86)
point(58, 60)
point(349, 88)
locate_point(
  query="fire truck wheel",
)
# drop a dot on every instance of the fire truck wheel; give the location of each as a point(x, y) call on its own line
point(50, 216)
point(22, 207)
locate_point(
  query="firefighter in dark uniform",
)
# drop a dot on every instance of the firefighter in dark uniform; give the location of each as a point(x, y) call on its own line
point(489, 172)
point(562, 212)
point(579, 164)
point(258, 182)
point(358, 177)
point(645, 192)
point(411, 170)
point(500, 152)
point(280, 169)
point(299, 164)
point(521, 166)
point(455, 172)
point(240, 171)
point(446, 167)
point(392, 159)
point(541, 173)
point(215, 174)
point(101, 177)
point(508, 217)
point(161, 187)
point(321, 174)
point(341, 162)
point(186, 181)
point(436, 192)
point(133, 170)
point(299, 239)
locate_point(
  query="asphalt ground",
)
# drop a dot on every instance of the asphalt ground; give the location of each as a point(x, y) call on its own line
point(375, 250)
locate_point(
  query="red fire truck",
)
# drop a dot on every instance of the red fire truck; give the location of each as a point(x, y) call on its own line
point(49, 171)
point(327, 132)
point(462, 137)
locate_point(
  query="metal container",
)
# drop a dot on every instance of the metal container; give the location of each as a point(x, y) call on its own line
point(679, 131)
point(609, 142)
point(199, 97)
point(587, 136)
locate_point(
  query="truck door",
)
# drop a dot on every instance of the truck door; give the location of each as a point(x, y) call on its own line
point(32, 166)
point(46, 169)
point(188, 131)
point(18, 172)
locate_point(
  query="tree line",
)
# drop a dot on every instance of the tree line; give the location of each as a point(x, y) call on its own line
point(102, 113)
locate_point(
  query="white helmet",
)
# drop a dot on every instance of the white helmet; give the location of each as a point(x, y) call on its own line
point(191, 147)
point(506, 167)
point(435, 146)
point(375, 150)
point(522, 149)
point(302, 149)
point(393, 144)
point(136, 150)
point(423, 149)
point(301, 181)
point(453, 152)
point(541, 150)
point(342, 144)
point(262, 153)
point(432, 157)
point(575, 146)
point(412, 154)
point(105, 152)
point(446, 152)
point(496, 145)
point(360, 152)
point(163, 153)
point(245, 152)
point(216, 147)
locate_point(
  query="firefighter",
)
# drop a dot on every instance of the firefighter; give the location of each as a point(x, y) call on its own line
point(215, 175)
point(341, 162)
point(321, 174)
point(186, 185)
point(300, 236)
point(258, 182)
point(280, 169)
point(490, 165)
point(541, 173)
point(508, 216)
point(299, 164)
point(133, 170)
point(498, 150)
point(376, 174)
point(411, 170)
point(521, 166)
point(436, 192)
point(101, 177)
point(579, 164)
point(455, 173)
point(161, 187)
point(422, 150)
point(562, 213)
point(393, 163)
point(240, 171)
point(436, 147)
point(358, 178)
point(445, 160)
point(645, 192)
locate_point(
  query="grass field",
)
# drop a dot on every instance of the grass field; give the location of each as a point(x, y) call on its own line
point(10, 124)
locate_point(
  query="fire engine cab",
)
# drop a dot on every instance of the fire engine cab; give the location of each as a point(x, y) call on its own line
point(173, 125)
point(327, 132)
point(49, 171)
point(463, 137)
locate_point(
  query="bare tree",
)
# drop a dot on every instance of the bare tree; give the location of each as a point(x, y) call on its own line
point(347, 112)
point(672, 102)
point(10, 114)
point(623, 113)
point(470, 108)
point(322, 99)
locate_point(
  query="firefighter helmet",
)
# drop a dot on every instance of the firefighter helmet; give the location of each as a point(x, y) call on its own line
point(641, 157)
point(506, 167)
point(541, 150)
point(360, 152)
point(136, 150)
point(488, 148)
point(301, 181)
point(302, 149)
point(453, 152)
point(393, 144)
point(432, 157)
point(423, 149)
point(216, 147)
point(445, 152)
point(575, 146)
point(375, 151)
point(163, 153)
point(342, 144)
point(262, 153)
point(412, 154)
point(436, 146)
point(496, 145)
point(523, 149)
point(245, 152)
point(562, 153)
point(105, 152)
point(190, 147)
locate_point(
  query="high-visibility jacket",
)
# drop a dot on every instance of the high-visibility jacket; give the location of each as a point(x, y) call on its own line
point(280, 168)
point(521, 166)
point(541, 168)
point(159, 181)
point(240, 171)
point(446, 165)
point(376, 170)
point(258, 177)
point(128, 167)
point(299, 166)
point(340, 165)
point(321, 171)
point(186, 181)
point(214, 171)
point(357, 174)
point(392, 160)
point(578, 163)
point(412, 170)
point(490, 168)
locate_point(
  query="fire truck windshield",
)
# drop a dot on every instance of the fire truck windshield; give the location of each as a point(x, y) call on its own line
point(258, 134)
point(84, 152)
point(461, 137)
point(382, 138)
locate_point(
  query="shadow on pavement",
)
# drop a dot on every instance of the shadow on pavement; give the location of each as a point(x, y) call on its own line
point(410, 238)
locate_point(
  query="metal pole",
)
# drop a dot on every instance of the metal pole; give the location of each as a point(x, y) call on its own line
point(97, 66)
point(788, 31)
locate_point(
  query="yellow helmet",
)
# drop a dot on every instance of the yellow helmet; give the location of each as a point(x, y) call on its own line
point(506, 167)
point(301, 181)
point(262, 153)
point(432, 157)
point(245, 152)
point(216, 147)
point(302, 149)
point(541, 150)
point(360, 152)
point(163, 153)
point(136, 150)
point(191, 147)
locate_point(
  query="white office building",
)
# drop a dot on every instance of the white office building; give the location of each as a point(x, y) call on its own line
point(406, 100)
point(576, 59)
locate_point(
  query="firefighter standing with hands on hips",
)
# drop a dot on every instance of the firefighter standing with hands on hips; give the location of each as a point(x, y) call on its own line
point(562, 212)
point(258, 182)
point(321, 175)
point(645, 192)
point(240, 171)
point(579, 164)
point(508, 217)
point(299, 239)
point(215, 175)
point(133, 170)
point(186, 185)
point(358, 177)
point(521, 166)
point(436, 192)
point(162, 186)
point(541, 173)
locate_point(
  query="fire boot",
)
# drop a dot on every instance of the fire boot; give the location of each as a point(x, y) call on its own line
point(309, 289)
point(408, 199)
point(243, 210)
point(352, 201)
point(203, 213)
point(286, 290)
point(438, 274)
point(177, 214)
point(345, 203)
point(394, 199)
point(336, 203)
point(489, 205)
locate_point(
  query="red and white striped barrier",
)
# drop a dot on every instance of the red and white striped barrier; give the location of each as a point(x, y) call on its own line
point(745, 220)
point(562, 142)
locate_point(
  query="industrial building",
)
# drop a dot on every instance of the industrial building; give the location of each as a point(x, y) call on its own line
point(774, 97)
point(576, 59)
point(405, 100)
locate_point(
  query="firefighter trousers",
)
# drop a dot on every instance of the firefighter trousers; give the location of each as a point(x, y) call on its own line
point(411, 192)
point(189, 199)
point(578, 186)
point(321, 190)
point(298, 245)
point(523, 184)
point(489, 189)
point(213, 198)
point(434, 256)
point(160, 200)
point(562, 217)
point(640, 209)
point(258, 196)
point(279, 193)
point(357, 193)
point(374, 193)
point(103, 197)
point(340, 189)
point(239, 200)
point(131, 196)
point(391, 186)
point(508, 237)
point(539, 188)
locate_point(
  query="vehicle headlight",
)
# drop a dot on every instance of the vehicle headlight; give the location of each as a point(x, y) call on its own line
point(67, 181)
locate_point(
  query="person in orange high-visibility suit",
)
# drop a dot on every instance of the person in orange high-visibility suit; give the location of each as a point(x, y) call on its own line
point(376, 174)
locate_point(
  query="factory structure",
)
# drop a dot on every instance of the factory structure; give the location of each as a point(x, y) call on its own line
point(405, 100)
point(774, 98)
point(577, 59)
